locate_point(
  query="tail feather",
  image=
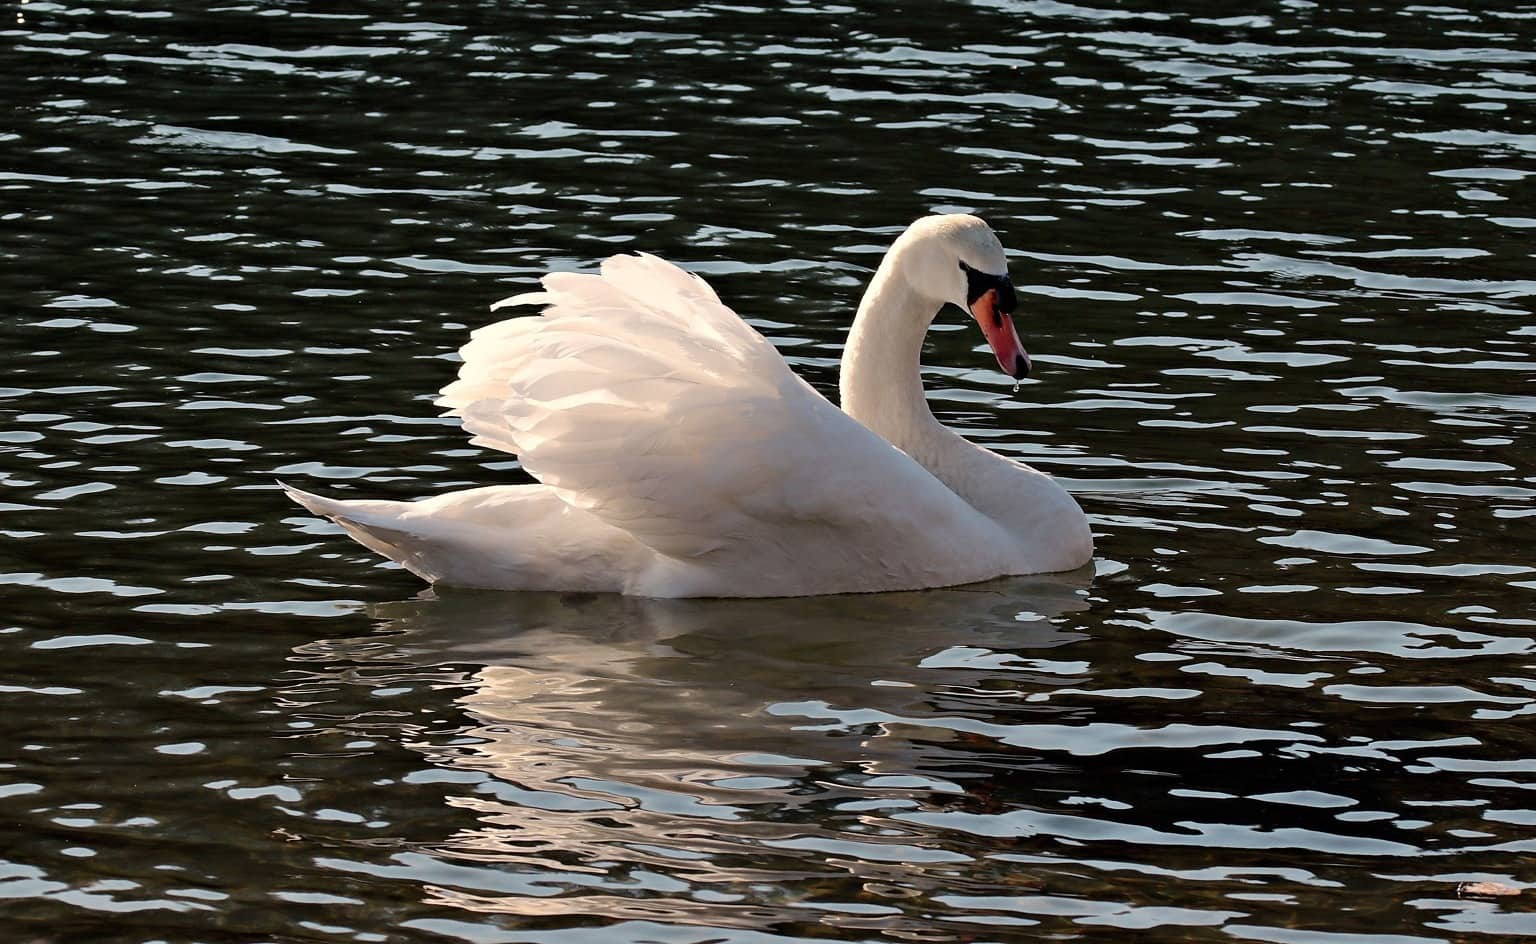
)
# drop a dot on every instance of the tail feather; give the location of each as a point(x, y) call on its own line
point(505, 537)
point(384, 514)
point(317, 504)
point(377, 525)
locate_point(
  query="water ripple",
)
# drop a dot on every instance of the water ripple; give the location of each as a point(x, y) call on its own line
point(1269, 261)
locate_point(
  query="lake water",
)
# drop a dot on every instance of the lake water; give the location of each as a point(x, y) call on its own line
point(1275, 268)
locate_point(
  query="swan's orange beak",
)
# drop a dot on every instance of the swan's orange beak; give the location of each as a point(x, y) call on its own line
point(1001, 334)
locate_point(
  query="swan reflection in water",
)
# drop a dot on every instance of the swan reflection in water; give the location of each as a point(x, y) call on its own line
point(706, 744)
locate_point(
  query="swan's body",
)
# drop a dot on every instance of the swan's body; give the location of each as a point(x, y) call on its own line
point(680, 456)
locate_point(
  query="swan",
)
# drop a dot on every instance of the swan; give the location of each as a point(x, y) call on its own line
point(678, 455)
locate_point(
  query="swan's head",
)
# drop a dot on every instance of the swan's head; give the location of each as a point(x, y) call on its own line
point(957, 259)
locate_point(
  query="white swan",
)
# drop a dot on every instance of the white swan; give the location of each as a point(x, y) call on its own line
point(680, 456)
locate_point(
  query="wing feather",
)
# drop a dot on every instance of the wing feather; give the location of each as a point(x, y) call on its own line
point(636, 395)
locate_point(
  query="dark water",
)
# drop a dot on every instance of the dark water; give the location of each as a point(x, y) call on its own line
point(1277, 272)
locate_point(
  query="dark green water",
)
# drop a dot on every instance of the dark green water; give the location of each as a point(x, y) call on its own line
point(1276, 272)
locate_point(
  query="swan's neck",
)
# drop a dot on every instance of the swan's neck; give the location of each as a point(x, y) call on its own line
point(882, 387)
point(881, 381)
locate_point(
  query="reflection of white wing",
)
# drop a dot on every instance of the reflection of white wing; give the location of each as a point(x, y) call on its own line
point(639, 397)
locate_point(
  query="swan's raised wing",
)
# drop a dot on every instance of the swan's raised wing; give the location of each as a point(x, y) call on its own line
point(639, 397)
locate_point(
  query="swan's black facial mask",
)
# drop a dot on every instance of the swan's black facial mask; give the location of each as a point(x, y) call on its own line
point(991, 301)
point(978, 283)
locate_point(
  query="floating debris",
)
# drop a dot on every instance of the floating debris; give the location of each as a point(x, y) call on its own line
point(1487, 890)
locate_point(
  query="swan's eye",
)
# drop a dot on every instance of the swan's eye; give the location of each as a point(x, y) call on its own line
point(978, 283)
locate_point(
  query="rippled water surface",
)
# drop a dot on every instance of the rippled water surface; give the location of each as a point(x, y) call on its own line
point(1275, 265)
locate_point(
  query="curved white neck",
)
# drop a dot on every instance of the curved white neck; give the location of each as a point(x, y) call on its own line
point(881, 381)
point(882, 387)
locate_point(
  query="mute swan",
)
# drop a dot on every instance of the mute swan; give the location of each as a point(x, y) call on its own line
point(679, 456)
